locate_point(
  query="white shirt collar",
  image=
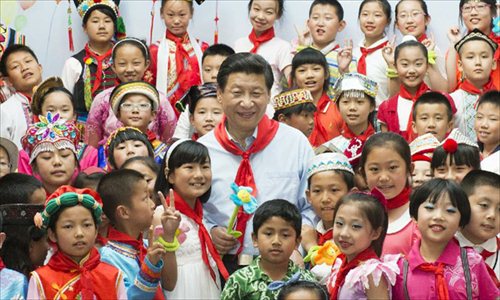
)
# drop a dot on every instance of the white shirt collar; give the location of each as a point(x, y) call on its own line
point(490, 245)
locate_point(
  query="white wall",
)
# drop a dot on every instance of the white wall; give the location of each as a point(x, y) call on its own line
point(45, 23)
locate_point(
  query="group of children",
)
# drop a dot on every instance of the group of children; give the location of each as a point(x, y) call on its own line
point(103, 182)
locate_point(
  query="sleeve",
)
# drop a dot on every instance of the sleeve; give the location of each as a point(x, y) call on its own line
point(89, 158)
point(23, 163)
point(33, 292)
point(485, 286)
point(71, 72)
point(183, 128)
point(146, 282)
point(232, 288)
point(308, 216)
point(165, 121)
point(153, 52)
point(284, 58)
point(94, 127)
point(382, 112)
point(441, 62)
point(376, 268)
point(121, 291)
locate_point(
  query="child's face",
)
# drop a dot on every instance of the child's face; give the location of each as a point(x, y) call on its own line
point(310, 77)
point(355, 111)
point(324, 24)
point(38, 251)
point(352, 232)
point(432, 118)
point(421, 173)
point(326, 189)
point(129, 149)
point(411, 66)
point(263, 13)
point(176, 15)
point(303, 121)
point(476, 61)
point(438, 222)
point(4, 162)
point(38, 196)
point(210, 67)
point(411, 19)
point(207, 115)
point(484, 222)
point(487, 124)
point(136, 111)
point(58, 103)
point(373, 21)
point(23, 71)
point(452, 171)
point(148, 174)
point(276, 239)
point(99, 27)
point(191, 180)
point(477, 18)
point(129, 63)
point(141, 209)
point(386, 170)
point(55, 168)
point(75, 232)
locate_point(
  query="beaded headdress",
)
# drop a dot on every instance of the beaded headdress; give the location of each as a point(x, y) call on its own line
point(354, 85)
point(476, 35)
point(134, 87)
point(292, 98)
point(124, 134)
point(327, 162)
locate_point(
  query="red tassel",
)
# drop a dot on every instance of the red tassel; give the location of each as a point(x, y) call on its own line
point(70, 37)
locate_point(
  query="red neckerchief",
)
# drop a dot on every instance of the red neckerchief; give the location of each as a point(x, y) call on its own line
point(319, 131)
point(101, 240)
point(365, 255)
point(403, 92)
point(120, 237)
point(348, 134)
point(99, 62)
point(151, 136)
point(471, 89)
point(495, 38)
point(485, 253)
point(364, 53)
point(422, 37)
point(441, 285)
point(62, 263)
point(400, 199)
point(324, 237)
point(195, 136)
point(2, 265)
point(205, 240)
point(266, 131)
point(258, 40)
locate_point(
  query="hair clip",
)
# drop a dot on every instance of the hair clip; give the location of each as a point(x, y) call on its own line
point(276, 285)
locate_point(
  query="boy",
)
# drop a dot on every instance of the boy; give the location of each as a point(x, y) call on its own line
point(129, 208)
point(487, 127)
point(8, 157)
point(21, 188)
point(433, 113)
point(476, 62)
point(295, 108)
point(20, 66)
point(481, 232)
point(276, 233)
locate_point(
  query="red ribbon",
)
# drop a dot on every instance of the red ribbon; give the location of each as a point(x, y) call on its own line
point(471, 89)
point(400, 199)
point(324, 237)
point(120, 237)
point(403, 92)
point(319, 133)
point(2, 265)
point(364, 53)
point(441, 285)
point(262, 38)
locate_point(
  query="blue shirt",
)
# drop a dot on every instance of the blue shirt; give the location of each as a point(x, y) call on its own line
point(13, 285)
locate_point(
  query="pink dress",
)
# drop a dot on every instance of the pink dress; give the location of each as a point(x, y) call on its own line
point(401, 235)
point(422, 285)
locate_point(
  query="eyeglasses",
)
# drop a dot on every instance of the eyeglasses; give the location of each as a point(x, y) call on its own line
point(480, 8)
point(414, 14)
point(131, 107)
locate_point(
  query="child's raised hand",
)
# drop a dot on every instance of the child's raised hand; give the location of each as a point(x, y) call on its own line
point(171, 218)
point(345, 56)
point(155, 249)
point(454, 35)
point(302, 35)
point(429, 42)
point(388, 52)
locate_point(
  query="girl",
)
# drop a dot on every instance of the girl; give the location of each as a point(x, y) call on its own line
point(75, 271)
point(487, 130)
point(130, 63)
point(205, 111)
point(359, 232)
point(374, 16)
point(303, 290)
point(277, 52)
point(412, 18)
point(456, 156)
point(147, 167)
point(440, 207)
point(176, 59)
point(421, 156)
point(386, 165)
point(394, 114)
point(186, 170)
point(51, 145)
point(125, 143)
point(310, 72)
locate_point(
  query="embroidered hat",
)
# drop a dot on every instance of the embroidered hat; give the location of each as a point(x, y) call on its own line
point(355, 85)
point(51, 133)
point(12, 152)
point(123, 134)
point(455, 138)
point(476, 35)
point(134, 87)
point(19, 213)
point(85, 7)
point(68, 196)
point(292, 98)
point(327, 162)
point(423, 146)
point(41, 90)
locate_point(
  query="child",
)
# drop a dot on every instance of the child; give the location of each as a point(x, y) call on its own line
point(8, 157)
point(71, 217)
point(310, 72)
point(125, 143)
point(394, 114)
point(276, 233)
point(358, 273)
point(175, 60)
point(486, 126)
point(421, 156)
point(21, 188)
point(130, 209)
point(433, 113)
point(205, 111)
point(476, 61)
point(386, 165)
point(277, 52)
point(302, 289)
point(130, 63)
point(20, 65)
point(437, 262)
point(329, 178)
point(147, 167)
point(186, 171)
point(51, 146)
point(295, 108)
point(456, 156)
point(135, 104)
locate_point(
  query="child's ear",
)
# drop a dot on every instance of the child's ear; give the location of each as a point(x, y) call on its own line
point(342, 25)
point(414, 127)
point(376, 234)
point(308, 195)
point(427, 20)
point(3, 236)
point(460, 66)
point(52, 235)
point(254, 240)
point(450, 125)
point(219, 95)
point(148, 62)
point(282, 118)
point(122, 212)
point(494, 65)
point(191, 119)
point(298, 240)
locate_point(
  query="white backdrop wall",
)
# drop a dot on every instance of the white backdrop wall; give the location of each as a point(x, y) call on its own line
point(44, 23)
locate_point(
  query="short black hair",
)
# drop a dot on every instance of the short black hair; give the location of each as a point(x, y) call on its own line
point(308, 107)
point(336, 4)
point(278, 208)
point(108, 11)
point(465, 155)
point(198, 92)
point(11, 50)
point(281, 7)
point(384, 4)
point(433, 98)
point(140, 44)
point(189, 2)
point(314, 57)
point(84, 180)
point(145, 160)
point(116, 188)
point(36, 107)
point(126, 135)
point(293, 287)
point(217, 49)
point(246, 63)
point(411, 43)
point(433, 190)
point(492, 97)
point(18, 188)
point(477, 178)
point(347, 176)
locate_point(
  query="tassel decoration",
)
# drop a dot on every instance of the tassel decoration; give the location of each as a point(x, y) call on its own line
point(70, 29)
